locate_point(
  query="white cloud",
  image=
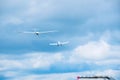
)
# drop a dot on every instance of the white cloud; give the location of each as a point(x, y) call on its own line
point(96, 52)
point(51, 8)
point(10, 64)
point(43, 60)
point(30, 61)
point(92, 50)
point(99, 53)
point(108, 62)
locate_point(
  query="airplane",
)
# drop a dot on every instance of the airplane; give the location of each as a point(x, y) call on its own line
point(38, 32)
point(59, 43)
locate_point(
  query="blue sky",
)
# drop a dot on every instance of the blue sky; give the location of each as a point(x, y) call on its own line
point(91, 26)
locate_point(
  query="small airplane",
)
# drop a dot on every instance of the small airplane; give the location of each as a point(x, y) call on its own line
point(38, 32)
point(58, 43)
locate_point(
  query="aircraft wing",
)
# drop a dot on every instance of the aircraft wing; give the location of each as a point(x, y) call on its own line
point(47, 32)
point(53, 44)
point(28, 32)
point(64, 42)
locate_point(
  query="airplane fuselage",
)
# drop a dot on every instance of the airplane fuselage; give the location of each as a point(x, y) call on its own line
point(37, 33)
point(59, 43)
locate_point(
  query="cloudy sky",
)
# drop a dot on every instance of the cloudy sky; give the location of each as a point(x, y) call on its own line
point(91, 26)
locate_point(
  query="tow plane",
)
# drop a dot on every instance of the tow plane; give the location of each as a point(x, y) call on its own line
point(59, 43)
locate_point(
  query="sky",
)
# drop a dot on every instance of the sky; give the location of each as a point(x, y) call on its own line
point(92, 28)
